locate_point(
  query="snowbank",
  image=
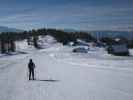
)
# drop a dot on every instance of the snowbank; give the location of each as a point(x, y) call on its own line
point(131, 51)
point(46, 41)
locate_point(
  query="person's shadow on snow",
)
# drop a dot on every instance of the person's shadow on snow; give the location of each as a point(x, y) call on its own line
point(48, 80)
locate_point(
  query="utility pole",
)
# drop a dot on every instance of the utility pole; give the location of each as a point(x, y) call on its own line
point(98, 36)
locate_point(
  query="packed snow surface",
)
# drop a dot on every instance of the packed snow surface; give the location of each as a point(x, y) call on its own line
point(63, 75)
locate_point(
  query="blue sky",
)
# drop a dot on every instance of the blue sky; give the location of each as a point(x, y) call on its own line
point(67, 14)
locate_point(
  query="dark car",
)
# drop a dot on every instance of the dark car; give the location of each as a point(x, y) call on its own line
point(80, 50)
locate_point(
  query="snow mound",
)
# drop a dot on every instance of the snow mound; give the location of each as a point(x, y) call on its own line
point(46, 41)
point(131, 51)
point(24, 47)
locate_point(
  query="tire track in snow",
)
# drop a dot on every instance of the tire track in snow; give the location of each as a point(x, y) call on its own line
point(86, 65)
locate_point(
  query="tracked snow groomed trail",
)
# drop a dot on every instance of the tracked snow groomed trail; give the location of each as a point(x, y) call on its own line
point(61, 75)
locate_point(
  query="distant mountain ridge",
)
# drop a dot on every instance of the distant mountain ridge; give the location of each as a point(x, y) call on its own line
point(128, 35)
point(70, 30)
point(7, 29)
point(99, 34)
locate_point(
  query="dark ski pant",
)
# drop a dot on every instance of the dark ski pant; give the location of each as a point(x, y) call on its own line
point(31, 74)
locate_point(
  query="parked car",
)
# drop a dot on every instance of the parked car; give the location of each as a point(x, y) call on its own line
point(81, 50)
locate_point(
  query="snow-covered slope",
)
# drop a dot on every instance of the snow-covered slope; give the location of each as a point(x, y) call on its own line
point(63, 75)
point(46, 41)
point(23, 46)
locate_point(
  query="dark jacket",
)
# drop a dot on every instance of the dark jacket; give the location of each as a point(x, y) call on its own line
point(31, 65)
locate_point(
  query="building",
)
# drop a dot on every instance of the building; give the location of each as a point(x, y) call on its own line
point(118, 49)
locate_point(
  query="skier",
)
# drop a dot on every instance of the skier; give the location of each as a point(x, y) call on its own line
point(31, 67)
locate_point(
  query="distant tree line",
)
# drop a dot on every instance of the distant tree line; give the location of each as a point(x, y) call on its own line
point(7, 43)
point(7, 39)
